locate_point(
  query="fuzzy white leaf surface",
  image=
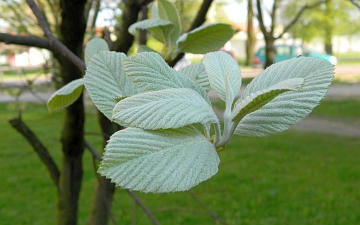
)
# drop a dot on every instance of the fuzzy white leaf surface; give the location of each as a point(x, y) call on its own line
point(151, 73)
point(197, 73)
point(224, 75)
point(164, 109)
point(93, 47)
point(159, 161)
point(291, 106)
point(105, 81)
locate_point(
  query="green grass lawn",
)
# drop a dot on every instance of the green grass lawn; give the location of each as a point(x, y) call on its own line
point(290, 178)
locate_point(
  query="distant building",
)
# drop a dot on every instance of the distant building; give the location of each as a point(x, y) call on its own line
point(21, 56)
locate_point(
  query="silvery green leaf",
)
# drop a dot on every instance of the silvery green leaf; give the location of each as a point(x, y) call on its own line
point(154, 11)
point(205, 39)
point(255, 101)
point(224, 75)
point(292, 106)
point(159, 28)
point(159, 161)
point(66, 95)
point(164, 109)
point(168, 11)
point(197, 73)
point(94, 46)
point(151, 73)
point(144, 48)
point(105, 80)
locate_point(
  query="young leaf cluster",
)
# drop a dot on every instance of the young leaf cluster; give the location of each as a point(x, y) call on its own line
point(163, 149)
point(165, 27)
point(173, 136)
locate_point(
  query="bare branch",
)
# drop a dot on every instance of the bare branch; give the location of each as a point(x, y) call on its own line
point(201, 16)
point(144, 208)
point(273, 16)
point(33, 41)
point(39, 148)
point(132, 194)
point(260, 18)
point(94, 153)
point(355, 3)
point(298, 15)
point(211, 214)
point(198, 21)
point(53, 40)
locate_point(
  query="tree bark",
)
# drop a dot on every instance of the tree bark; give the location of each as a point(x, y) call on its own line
point(198, 21)
point(130, 15)
point(269, 51)
point(329, 27)
point(104, 189)
point(72, 31)
point(143, 33)
point(251, 39)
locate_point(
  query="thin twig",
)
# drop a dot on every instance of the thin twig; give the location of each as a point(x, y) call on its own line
point(26, 40)
point(355, 3)
point(92, 150)
point(143, 207)
point(39, 148)
point(211, 214)
point(53, 40)
point(132, 194)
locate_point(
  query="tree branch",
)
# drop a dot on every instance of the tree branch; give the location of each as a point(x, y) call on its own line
point(211, 214)
point(39, 148)
point(53, 40)
point(92, 150)
point(201, 16)
point(357, 4)
point(132, 194)
point(273, 16)
point(144, 208)
point(260, 18)
point(297, 16)
point(33, 41)
point(198, 21)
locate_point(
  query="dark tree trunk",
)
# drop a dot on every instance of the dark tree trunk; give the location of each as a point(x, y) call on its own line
point(104, 190)
point(143, 33)
point(329, 27)
point(72, 31)
point(251, 39)
point(269, 51)
point(129, 16)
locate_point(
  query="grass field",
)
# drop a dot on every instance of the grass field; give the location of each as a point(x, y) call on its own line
point(290, 178)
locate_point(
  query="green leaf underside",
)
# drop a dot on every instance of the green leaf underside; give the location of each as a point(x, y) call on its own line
point(93, 47)
point(224, 75)
point(257, 100)
point(160, 29)
point(290, 107)
point(105, 80)
point(168, 11)
point(151, 73)
point(164, 109)
point(196, 72)
point(66, 95)
point(159, 161)
point(205, 38)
